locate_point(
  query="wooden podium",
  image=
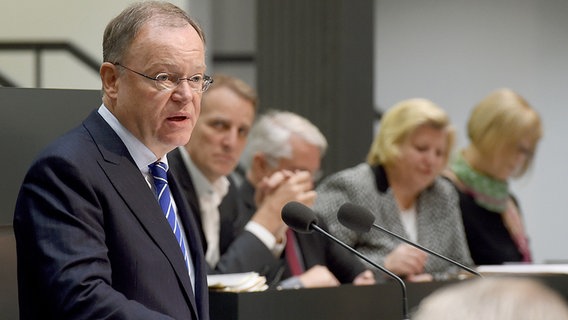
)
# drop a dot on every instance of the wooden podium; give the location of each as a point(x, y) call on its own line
point(382, 301)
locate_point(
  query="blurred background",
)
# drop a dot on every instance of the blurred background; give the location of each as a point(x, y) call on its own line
point(341, 63)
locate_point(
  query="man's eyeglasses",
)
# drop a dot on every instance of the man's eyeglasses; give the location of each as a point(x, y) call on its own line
point(168, 81)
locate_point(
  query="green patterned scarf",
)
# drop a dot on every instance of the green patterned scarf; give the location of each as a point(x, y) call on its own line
point(487, 192)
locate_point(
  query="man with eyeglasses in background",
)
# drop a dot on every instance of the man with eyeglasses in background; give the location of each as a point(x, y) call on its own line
point(97, 235)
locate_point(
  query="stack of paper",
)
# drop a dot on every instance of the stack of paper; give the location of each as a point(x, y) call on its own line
point(524, 269)
point(237, 282)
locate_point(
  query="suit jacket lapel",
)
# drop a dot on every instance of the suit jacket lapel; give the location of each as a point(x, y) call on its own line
point(232, 215)
point(131, 185)
point(178, 169)
point(193, 235)
point(246, 192)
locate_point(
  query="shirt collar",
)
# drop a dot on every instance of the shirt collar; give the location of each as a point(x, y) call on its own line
point(202, 185)
point(141, 154)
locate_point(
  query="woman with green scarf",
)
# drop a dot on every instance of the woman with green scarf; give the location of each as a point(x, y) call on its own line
point(504, 131)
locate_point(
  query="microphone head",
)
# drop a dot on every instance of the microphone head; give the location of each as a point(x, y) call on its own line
point(355, 217)
point(299, 217)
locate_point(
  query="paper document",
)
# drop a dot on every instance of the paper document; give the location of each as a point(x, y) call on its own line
point(524, 269)
point(237, 282)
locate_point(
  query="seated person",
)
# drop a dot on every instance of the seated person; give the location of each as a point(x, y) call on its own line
point(400, 184)
point(204, 165)
point(504, 131)
point(285, 150)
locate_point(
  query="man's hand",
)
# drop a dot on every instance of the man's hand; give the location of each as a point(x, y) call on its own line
point(318, 276)
point(277, 190)
point(364, 278)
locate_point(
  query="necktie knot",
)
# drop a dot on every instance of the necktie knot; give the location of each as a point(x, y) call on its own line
point(159, 171)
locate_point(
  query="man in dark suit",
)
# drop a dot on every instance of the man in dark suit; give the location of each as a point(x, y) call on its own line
point(203, 166)
point(255, 240)
point(92, 239)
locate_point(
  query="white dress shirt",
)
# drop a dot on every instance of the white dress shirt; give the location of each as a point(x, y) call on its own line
point(210, 195)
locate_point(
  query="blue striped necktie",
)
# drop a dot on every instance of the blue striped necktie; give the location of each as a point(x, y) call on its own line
point(159, 171)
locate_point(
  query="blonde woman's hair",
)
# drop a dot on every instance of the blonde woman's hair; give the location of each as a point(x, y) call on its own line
point(500, 120)
point(400, 121)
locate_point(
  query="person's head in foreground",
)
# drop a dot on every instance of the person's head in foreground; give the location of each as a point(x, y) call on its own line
point(494, 299)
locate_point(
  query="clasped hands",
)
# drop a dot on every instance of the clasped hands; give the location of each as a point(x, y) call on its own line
point(271, 195)
point(273, 192)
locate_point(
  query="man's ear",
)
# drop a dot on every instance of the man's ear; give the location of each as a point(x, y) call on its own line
point(109, 78)
point(259, 163)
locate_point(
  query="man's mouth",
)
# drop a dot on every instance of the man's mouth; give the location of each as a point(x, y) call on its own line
point(178, 118)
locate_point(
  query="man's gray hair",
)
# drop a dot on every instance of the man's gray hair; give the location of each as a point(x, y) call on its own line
point(271, 134)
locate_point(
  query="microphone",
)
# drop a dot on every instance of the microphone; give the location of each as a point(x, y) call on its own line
point(360, 219)
point(304, 220)
point(299, 217)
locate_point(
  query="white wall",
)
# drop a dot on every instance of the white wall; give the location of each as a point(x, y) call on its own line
point(234, 32)
point(455, 52)
point(80, 22)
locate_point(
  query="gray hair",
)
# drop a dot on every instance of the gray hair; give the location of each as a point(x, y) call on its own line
point(497, 298)
point(271, 134)
point(121, 31)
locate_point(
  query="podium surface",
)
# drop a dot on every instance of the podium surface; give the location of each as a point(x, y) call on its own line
point(381, 301)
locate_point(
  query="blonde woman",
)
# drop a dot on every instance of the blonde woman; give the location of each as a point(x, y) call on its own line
point(504, 131)
point(400, 183)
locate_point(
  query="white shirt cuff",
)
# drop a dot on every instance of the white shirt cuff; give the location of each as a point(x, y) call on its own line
point(266, 237)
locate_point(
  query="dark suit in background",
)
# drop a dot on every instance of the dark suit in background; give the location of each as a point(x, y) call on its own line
point(314, 250)
point(229, 209)
point(240, 251)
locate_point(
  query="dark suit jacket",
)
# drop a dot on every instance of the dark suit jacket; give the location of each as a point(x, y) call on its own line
point(241, 251)
point(229, 209)
point(92, 240)
point(315, 250)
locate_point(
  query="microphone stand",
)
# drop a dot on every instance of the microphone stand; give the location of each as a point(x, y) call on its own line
point(357, 253)
point(428, 250)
